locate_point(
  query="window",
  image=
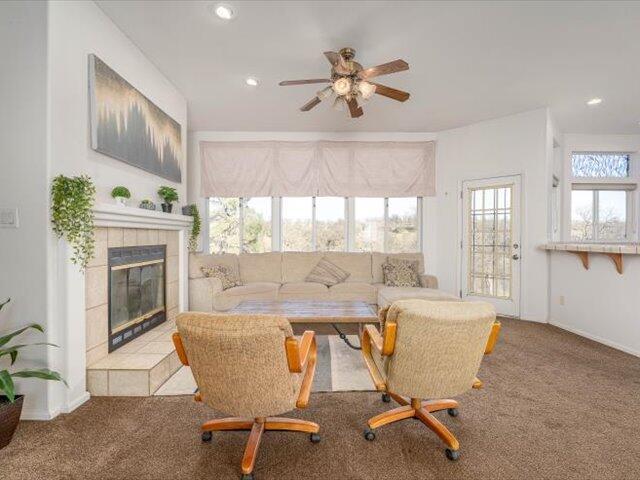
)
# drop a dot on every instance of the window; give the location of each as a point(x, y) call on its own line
point(224, 225)
point(600, 165)
point(261, 224)
point(402, 233)
point(599, 215)
point(369, 224)
point(330, 224)
point(602, 196)
point(297, 224)
point(256, 225)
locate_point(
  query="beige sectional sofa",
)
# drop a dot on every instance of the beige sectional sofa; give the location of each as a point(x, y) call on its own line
point(281, 276)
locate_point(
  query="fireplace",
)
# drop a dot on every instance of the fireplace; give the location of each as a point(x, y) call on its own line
point(137, 292)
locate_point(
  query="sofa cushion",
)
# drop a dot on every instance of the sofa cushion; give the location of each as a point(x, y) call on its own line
point(196, 262)
point(297, 265)
point(388, 295)
point(327, 273)
point(378, 258)
point(353, 291)
point(260, 267)
point(356, 263)
point(401, 273)
point(227, 276)
point(303, 287)
point(253, 291)
point(251, 288)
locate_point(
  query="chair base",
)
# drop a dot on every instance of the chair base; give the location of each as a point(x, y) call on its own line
point(420, 410)
point(258, 426)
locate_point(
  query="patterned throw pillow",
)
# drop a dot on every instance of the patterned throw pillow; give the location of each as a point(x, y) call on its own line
point(401, 273)
point(226, 275)
point(327, 273)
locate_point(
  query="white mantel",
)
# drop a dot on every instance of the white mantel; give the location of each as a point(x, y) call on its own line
point(71, 304)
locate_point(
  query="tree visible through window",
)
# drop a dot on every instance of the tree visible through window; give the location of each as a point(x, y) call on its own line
point(256, 225)
point(224, 225)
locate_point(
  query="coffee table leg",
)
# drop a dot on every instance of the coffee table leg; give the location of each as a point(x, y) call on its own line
point(344, 338)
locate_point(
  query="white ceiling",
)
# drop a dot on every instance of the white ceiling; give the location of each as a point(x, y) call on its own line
point(470, 61)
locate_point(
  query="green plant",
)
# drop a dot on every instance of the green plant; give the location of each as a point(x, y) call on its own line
point(195, 227)
point(7, 386)
point(121, 192)
point(72, 201)
point(168, 194)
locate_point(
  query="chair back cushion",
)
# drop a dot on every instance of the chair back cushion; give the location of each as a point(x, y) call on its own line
point(239, 362)
point(439, 346)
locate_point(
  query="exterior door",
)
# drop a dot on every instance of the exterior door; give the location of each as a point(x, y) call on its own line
point(491, 242)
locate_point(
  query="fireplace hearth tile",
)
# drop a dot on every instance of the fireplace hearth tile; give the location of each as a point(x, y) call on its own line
point(172, 244)
point(153, 237)
point(130, 238)
point(97, 321)
point(96, 281)
point(172, 295)
point(172, 269)
point(96, 353)
point(99, 255)
point(128, 383)
point(98, 382)
point(162, 237)
point(142, 237)
point(115, 237)
point(157, 347)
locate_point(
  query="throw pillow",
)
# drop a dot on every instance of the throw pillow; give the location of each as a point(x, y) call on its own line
point(227, 275)
point(401, 273)
point(327, 273)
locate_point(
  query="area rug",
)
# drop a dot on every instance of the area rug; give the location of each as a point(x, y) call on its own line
point(339, 369)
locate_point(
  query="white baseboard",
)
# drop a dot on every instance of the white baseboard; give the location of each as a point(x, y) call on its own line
point(596, 338)
point(532, 317)
point(76, 402)
point(35, 414)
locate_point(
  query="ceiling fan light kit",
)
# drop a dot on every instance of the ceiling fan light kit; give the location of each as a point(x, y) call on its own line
point(350, 82)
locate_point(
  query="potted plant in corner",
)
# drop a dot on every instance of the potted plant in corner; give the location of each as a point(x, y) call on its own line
point(10, 403)
point(169, 195)
point(121, 195)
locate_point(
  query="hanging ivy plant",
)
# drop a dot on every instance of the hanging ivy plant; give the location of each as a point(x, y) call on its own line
point(195, 228)
point(72, 201)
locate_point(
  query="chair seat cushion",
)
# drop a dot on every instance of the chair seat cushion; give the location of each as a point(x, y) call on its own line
point(303, 287)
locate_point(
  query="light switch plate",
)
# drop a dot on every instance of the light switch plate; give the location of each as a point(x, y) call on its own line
point(8, 218)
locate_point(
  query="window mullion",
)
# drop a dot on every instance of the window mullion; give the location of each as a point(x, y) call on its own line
point(314, 232)
point(241, 225)
point(596, 216)
point(386, 225)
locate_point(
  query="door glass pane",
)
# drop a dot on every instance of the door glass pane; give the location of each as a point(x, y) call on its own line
point(369, 218)
point(489, 241)
point(296, 224)
point(330, 224)
point(256, 235)
point(402, 233)
point(612, 215)
point(224, 225)
point(582, 215)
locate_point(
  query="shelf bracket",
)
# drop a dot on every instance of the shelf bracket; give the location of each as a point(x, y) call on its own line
point(617, 260)
point(584, 257)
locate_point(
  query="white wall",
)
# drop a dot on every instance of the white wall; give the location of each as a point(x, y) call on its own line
point(506, 146)
point(517, 144)
point(23, 180)
point(78, 29)
point(598, 303)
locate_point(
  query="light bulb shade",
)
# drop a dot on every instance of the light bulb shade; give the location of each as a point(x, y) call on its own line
point(338, 104)
point(342, 86)
point(324, 93)
point(366, 89)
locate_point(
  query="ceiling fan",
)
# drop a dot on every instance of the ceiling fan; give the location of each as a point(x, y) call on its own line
point(350, 82)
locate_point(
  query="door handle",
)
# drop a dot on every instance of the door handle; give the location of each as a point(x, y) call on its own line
point(515, 256)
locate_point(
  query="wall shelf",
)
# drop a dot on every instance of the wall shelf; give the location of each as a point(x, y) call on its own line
point(614, 251)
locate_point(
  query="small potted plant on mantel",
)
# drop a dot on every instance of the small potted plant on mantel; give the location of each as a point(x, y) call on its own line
point(10, 403)
point(168, 195)
point(121, 195)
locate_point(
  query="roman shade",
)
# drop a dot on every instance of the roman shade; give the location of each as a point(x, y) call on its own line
point(322, 168)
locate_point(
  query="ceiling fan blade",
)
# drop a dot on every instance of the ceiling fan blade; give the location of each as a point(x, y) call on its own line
point(310, 104)
point(338, 63)
point(384, 69)
point(355, 110)
point(389, 92)
point(304, 82)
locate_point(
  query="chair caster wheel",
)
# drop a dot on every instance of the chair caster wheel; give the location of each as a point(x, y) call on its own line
point(207, 436)
point(452, 455)
point(386, 398)
point(453, 412)
point(369, 435)
point(247, 476)
point(314, 437)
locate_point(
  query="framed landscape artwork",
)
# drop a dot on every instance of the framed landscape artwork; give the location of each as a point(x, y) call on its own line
point(126, 125)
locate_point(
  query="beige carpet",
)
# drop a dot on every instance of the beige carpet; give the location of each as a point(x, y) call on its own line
point(555, 406)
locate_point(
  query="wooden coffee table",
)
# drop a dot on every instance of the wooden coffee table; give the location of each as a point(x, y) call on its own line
point(313, 311)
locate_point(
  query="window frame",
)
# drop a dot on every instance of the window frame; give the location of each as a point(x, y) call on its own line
point(628, 184)
point(349, 229)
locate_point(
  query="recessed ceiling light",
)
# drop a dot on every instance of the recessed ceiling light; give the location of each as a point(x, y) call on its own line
point(224, 11)
point(252, 81)
point(594, 101)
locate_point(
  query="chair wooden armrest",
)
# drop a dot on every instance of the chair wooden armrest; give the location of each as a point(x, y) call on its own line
point(493, 337)
point(298, 353)
point(182, 355)
point(383, 344)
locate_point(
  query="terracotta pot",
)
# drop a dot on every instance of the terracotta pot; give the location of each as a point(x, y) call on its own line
point(9, 418)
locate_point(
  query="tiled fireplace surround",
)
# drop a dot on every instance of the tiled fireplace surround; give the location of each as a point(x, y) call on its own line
point(141, 366)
